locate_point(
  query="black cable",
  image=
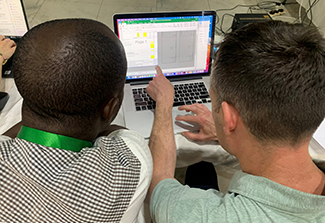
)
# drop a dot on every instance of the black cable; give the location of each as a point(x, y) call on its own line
point(223, 16)
point(311, 13)
point(309, 10)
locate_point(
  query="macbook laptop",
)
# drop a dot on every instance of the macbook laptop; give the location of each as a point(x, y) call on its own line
point(181, 44)
point(13, 25)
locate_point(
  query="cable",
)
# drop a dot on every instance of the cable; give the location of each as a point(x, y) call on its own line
point(266, 5)
point(217, 17)
point(310, 10)
point(311, 13)
point(300, 11)
point(222, 21)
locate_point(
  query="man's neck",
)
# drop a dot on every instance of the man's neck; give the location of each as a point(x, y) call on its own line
point(88, 133)
point(289, 166)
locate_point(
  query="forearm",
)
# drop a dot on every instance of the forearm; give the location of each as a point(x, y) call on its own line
point(162, 145)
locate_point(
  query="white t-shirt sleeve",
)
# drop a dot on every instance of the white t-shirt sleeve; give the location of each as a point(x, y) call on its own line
point(4, 138)
point(140, 149)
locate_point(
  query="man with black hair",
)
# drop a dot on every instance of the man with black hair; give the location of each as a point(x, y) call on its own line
point(268, 97)
point(68, 164)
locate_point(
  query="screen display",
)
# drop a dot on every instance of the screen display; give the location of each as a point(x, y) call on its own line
point(179, 45)
point(12, 18)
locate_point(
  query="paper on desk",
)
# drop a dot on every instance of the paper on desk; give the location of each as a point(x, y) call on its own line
point(319, 135)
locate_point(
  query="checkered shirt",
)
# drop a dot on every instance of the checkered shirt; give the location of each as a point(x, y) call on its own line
point(44, 184)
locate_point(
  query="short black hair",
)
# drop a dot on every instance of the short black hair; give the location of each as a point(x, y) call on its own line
point(69, 68)
point(274, 74)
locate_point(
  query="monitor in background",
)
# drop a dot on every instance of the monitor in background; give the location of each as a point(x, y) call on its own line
point(179, 44)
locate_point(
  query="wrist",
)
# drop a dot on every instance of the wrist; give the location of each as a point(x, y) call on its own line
point(3, 60)
point(163, 105)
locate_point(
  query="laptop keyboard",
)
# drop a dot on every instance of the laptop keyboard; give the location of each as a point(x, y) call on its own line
point(185, 94)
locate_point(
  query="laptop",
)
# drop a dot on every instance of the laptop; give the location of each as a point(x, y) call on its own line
point(13, 25)
point(181, 43)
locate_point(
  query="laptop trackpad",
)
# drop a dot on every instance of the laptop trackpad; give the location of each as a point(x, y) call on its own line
point(182, 126)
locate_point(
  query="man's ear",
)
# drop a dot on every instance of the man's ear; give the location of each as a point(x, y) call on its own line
point(230, 116)
point(111, 109)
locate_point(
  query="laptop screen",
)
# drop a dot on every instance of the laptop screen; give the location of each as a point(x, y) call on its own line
point(12, 18)
point(180, 43)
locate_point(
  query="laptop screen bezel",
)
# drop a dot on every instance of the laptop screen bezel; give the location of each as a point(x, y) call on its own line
point(116, 17)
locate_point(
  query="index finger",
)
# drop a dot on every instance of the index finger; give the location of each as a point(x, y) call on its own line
point(193, 108)
point(159, 71)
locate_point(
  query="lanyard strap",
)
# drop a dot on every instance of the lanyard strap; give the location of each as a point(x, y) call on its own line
point(52, 140)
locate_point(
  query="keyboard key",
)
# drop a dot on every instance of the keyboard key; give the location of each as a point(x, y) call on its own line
point(138, 108)
point(144, 108)
point(204, 96)
point(140, 103)
point(179, 103)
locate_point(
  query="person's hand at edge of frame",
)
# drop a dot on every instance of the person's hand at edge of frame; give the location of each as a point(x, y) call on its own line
point(161, 90)
point(7, 47)
point(204, 118)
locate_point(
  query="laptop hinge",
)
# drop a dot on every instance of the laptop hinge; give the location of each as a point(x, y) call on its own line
point(172, 79)
point(140, 82)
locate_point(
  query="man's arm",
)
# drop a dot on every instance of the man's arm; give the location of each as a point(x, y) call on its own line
point(162, 141)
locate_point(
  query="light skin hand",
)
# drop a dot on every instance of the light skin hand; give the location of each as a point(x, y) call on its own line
point(161, 90)
point(7, 47)
point(204, 118)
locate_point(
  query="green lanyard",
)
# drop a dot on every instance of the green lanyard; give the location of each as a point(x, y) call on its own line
point(52, 140)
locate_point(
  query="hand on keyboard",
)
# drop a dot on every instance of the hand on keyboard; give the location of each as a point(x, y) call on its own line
point(204, 118)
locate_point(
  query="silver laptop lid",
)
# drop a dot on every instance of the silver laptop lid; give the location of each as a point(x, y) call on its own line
point(179, 42)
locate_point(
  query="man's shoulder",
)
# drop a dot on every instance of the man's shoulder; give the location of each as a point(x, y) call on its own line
point(129, 142)
point(249, 197)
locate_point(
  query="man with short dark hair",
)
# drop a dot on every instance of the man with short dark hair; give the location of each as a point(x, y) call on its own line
point(268, 97)
point(68, 164)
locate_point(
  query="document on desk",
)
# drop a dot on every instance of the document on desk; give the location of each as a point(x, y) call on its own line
point(319, 135)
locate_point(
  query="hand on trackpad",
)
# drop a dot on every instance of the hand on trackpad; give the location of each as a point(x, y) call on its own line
point(186, 126)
